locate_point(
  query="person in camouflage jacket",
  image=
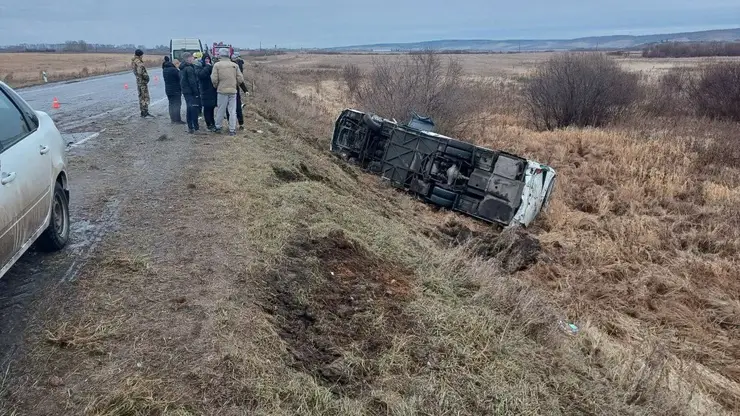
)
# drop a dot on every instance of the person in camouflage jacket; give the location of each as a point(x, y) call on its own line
point(142, 79)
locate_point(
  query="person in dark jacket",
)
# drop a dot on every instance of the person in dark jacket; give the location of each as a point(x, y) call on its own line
point(172, 89)
point(191, 91)
point(208, 93)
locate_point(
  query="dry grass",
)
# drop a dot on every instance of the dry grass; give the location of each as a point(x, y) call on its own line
point(301, 286)
point(24, 69)
point(642, 242)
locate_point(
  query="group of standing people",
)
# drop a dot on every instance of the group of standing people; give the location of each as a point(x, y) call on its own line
point(208, 87)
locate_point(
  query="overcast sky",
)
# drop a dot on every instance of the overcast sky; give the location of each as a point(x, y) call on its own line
point(323, 23)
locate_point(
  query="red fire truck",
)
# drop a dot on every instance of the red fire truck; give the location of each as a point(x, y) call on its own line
point(217, 46)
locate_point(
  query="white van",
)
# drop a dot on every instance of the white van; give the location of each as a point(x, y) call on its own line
point(180, 46)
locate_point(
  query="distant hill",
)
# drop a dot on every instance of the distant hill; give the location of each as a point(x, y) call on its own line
point(531, 45)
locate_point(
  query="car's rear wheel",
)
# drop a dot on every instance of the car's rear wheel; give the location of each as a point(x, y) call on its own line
point(56, 235)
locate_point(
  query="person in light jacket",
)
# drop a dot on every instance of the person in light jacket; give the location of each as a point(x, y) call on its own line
point(226, 78)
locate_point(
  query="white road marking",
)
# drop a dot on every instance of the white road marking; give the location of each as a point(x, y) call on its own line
point(90, 137)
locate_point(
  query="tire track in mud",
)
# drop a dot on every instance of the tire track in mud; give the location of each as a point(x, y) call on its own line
point(88, 238)
point(35, 274)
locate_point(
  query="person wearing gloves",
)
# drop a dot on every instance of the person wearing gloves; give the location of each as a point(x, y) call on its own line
point(226, 78)
point(190, 90)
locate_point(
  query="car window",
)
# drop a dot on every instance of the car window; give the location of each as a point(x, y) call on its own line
point(13, 125)
point(31, 118)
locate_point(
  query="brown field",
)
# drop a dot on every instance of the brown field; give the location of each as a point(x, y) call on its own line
point(478, 65)
point(302, 286)
point(24, 69)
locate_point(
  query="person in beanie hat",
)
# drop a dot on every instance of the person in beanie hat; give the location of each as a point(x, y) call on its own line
point(191, 91)
point(142, 79)
point(226, 78)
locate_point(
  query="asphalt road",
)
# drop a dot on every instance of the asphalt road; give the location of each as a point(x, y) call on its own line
point(88, 108)
point(88, 101)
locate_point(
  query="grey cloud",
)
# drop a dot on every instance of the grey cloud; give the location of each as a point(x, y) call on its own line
point(305, 23)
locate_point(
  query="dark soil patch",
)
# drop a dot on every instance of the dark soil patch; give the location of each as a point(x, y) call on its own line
point(305, 171)
point(286, 175)
point(345, 167)
point(514, 248)
point(300, 173)
point(456, 233)
point(336, 303)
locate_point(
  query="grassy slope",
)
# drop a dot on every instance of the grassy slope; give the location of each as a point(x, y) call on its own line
point(316, 290)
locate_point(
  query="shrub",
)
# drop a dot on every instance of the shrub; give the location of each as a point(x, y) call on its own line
point(352, 75)
point(717, 91)
point(423, 83)
point(671, 94)
point(687, 49)
point(581, 89)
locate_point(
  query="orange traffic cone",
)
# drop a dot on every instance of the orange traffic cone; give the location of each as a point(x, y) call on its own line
point(55, 103)
point(125, 86)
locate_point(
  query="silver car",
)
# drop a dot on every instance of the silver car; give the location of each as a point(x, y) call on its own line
point(34, 195)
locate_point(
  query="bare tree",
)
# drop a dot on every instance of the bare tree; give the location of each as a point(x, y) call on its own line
point(352, 75)
point(422, 83)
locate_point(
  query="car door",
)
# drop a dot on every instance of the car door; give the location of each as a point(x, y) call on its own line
point(25, 172)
